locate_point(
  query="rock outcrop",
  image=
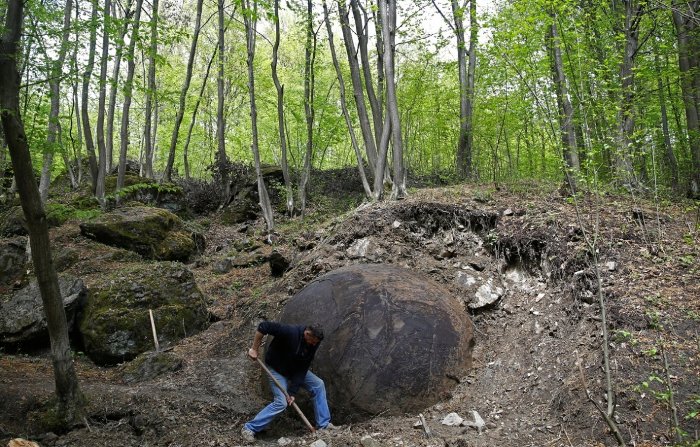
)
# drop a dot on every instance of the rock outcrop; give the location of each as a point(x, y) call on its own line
point(115, 324)
point(22, 320)
point(153, 233)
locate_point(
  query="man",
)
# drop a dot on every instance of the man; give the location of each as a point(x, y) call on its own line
point(288, 358)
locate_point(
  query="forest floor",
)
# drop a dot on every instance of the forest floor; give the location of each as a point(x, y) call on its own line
point(538, 349)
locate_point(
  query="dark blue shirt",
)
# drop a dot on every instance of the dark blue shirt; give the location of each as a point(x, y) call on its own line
point(288, 354)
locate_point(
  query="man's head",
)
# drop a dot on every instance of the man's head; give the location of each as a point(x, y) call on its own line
point(313, 334)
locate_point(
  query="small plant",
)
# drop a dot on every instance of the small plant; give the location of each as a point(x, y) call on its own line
point(687, 260)
point(651, 352)
point(621, 336)
point(654, 320)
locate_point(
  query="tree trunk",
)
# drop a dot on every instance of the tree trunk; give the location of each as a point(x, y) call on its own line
point(67, 389)
point(87, 74)
point(387, 9)
point(221, 158)
point(566, 111)
point(344, 106)
point(114, 84)
point(151, 91)
point(55, 75)
point(250, 25)
point(128, 87)
point(194, 114)
point(100, 131)
point(361, 25)
point(183, 96)
point(309, 111)
point(471, 68)
point(367, 136)
point(79, 128)
point(625, 129)
point(669, 156)
point(685, 18)
point(280, 113)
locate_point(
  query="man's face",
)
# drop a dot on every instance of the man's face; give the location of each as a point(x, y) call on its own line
point(309, 338)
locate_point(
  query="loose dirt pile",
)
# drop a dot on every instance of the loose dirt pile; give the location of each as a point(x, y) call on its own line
point(526, 276)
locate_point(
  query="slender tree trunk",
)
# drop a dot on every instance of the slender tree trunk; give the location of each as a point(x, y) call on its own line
point(685, 18)
point(361, 25)
point(87, 74)
point(114, 84)
point(566, 111)
point(669, 155)
point(309, 111)
point(100, 131)
point(358, 93)
point(194, 115)
point(471, 68)
point(128, 88)
point(183, 96)
point(55, 75)
point(250, 25)
point(625, 130)
point(151, 91)
point(344, 106)
point(67, 388)
point(222, 159)
point(280, 113)
point(387, 9)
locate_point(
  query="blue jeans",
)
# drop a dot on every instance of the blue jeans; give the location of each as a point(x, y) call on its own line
point(312, 383)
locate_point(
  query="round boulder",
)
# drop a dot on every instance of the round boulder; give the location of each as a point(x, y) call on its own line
point(395, 341)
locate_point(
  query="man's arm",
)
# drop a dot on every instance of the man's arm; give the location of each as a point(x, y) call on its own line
point(257, 340)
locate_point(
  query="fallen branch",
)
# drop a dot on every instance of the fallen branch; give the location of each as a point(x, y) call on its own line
point(424, 424)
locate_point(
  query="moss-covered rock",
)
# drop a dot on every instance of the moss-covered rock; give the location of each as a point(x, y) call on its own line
point(153, 233)
point(115, 324)
point(150, 365)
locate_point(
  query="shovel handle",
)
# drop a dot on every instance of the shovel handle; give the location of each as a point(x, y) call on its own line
point(286, 395)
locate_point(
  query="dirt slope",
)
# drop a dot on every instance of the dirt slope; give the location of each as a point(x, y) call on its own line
point(525, 384)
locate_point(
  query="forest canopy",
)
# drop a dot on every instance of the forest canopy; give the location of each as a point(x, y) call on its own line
point(574, 90)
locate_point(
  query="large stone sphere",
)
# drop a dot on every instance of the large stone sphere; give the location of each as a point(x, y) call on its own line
point(395, 341)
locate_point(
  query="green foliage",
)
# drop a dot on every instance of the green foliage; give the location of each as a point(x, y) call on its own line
point(57, 214)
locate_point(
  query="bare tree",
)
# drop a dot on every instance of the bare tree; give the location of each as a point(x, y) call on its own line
point(100, 131)
point(151, 91)
point(128, 88)
point(70, 399)
point(84, 98)
point(183, 96)
point(280, 113)
point(55, 75)
point(344, 106)
point(566, 111)
point(250, 20)
point(221, 158)
point(361, 26)
point(387, 9)
point(114, 83)
point(686, 19)
point(466, 63)
point(358, 93)
point(309, 110)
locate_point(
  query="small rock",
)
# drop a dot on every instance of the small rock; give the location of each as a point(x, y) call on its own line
point(19, 442)
point(284, 441)
point(453, 420)
point(478, 423)
point(318, 443)
point(508, 212)
point(396, 224)
point(612, 266)
point(368, 441)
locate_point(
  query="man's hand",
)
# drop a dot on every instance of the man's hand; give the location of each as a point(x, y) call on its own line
point(253, 354)
point(290, 400)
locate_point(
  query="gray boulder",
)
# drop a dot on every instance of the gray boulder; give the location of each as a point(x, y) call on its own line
point(394, 341)
point(115, 323)
point(13, 257)
point(22, 319)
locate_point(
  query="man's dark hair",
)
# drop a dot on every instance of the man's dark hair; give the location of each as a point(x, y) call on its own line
point(316, 330)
